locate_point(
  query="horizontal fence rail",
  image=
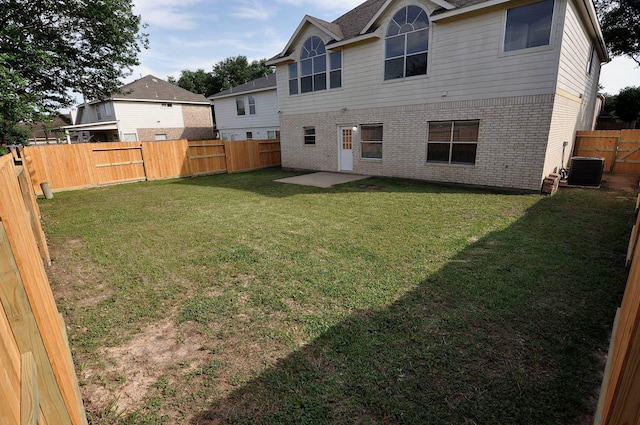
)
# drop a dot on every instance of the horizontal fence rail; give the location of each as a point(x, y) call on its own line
point(619, 148)
point(68, 167)
point(38, 383)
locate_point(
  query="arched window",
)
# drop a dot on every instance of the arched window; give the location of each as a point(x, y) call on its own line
point(407, 44)
point(313, 65)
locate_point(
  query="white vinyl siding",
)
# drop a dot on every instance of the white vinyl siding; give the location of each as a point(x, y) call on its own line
point(265, 119)
point(574, 57)
point(134, 115)
point(465, 62)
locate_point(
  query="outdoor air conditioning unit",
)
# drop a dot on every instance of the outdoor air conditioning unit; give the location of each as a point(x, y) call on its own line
point(585, 171)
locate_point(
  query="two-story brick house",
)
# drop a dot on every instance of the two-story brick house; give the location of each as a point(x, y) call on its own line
point(145, 110)
point(480, 92)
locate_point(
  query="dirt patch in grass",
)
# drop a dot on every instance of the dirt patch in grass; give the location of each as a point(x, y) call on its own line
point(77, 280)
point(132, 368)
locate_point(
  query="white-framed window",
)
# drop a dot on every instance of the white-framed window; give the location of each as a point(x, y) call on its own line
point(309, 135)
point(249, 135)
point(335, 70)
point(371, 141)
point(240, 106)
point(293, 78)
point(590, 62)
point(252, 105)
point(98, 112)
point(313, 65)
point(528, 26)
point(316, 70)
point(407, 44)
point(161, 137)
point(130, 137)
point(166, 105)
point(271, 134)
point(453, 142)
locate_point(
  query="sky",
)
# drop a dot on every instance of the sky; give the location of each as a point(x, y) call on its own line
point(193, 34)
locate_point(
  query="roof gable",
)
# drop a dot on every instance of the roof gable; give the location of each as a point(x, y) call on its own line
point(155, 89)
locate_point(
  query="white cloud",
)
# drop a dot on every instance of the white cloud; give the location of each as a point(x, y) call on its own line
point(171, 14)
point(341, 6)
point(252, 9)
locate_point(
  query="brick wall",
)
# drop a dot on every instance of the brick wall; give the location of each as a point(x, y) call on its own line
point(198, 125)
point(512, 142)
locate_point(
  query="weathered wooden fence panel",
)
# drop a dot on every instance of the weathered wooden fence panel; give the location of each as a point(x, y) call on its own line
point(619, 148)
point(94, 164)
point(619, 400)
point(48, 385)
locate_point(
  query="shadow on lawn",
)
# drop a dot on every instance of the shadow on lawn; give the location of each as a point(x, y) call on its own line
point(483, 341)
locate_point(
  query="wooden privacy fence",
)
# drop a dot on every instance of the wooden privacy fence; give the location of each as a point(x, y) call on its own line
point(619, 148)
point(37, 378)
point(619, 402)
point(93, 164)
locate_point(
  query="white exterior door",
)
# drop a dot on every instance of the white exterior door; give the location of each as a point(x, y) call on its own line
point(345, 148)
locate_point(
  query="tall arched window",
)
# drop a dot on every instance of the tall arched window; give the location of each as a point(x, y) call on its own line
point(407, 44)
point(313, 65)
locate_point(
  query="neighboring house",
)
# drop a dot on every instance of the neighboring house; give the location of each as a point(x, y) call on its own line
point(480, 92)
point(248, 111)
point(145, 110)
point(47, 132)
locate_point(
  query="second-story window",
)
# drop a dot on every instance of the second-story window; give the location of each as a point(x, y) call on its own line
point(528, 26)
point(240, 106)
point(407, 44)
point(313, 65)
point(252, 105)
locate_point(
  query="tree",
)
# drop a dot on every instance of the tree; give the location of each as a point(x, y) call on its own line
point(50, 49)
point(627, 105)
point(620, 22)
point(198, 81)
point(227, 73)
point(237, 70)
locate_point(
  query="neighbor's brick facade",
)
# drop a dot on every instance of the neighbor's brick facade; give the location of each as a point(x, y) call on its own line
point(512, 141)
point(198, 125)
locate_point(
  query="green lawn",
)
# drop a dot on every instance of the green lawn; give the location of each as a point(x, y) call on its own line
point(235, 299)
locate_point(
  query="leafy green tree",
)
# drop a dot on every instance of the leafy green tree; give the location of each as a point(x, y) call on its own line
point(18, 135)
point(198, 81)
point(627, 105)
point(237, 70)
point(227, 73)
point(620, 22)
point(50, 49)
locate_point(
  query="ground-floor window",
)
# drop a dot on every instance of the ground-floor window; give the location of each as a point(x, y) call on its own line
point(452, 142)
point(130, 137)
point(249, 135)
point(161, 137)
point(371, 141)
point(273, 134)
point(309, 135)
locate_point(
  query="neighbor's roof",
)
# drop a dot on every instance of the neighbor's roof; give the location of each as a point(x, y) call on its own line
point(154, 89)
point(359, 21)
point(267, 82)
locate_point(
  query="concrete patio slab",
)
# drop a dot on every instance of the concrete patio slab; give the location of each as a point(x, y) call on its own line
point(322, 179)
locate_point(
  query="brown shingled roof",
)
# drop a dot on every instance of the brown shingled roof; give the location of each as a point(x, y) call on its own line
point(259, 84)
point(354, 21)
point(153, 88)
